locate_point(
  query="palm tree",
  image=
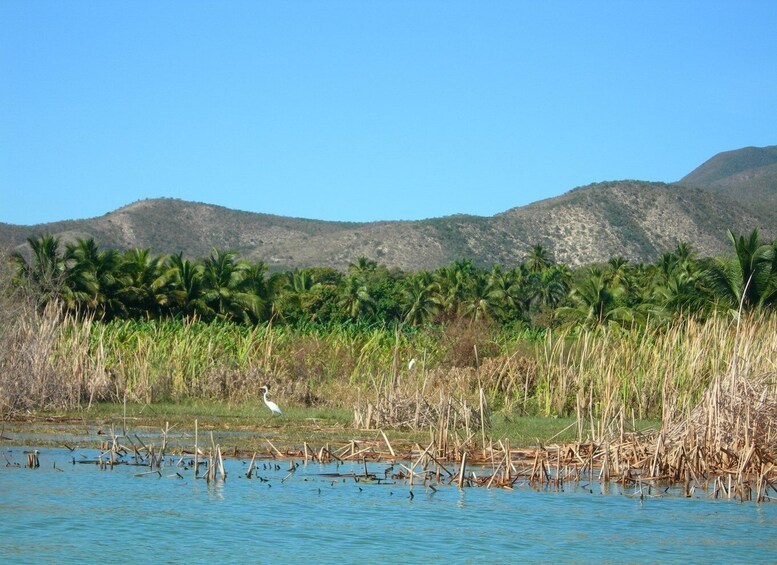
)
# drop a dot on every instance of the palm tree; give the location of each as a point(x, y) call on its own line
point(596, 300)
point(747, 277)
point(682, 293)
point(145, 283)
point(538, 258)
point(300, 281)
point(226, 295)
point(362, 267)
point(276, 287)
point(478, 303)
point(666, 264)
point(685, 253)
point(44, 274)
point(81, 260)
point(355, 298)
point(255, 285)
point(290, 288)
point(93, 276)
point(769, 296)
point(190, 293)
point(549, 287)
point(619, 269)
point(419, 302)
point(452, 285)
point(506, 290)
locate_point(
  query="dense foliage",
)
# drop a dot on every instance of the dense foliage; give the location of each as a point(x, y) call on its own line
point(538, 292)
point(538, 338)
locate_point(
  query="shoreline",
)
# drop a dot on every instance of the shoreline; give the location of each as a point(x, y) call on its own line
point(421, 458)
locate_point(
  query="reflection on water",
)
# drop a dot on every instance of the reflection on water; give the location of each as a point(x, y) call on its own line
point(67, 513)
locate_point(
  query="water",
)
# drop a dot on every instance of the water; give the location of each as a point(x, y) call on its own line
point(81, 513)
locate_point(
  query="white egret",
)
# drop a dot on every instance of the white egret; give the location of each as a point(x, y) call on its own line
point(270, 404)
point(411, 364)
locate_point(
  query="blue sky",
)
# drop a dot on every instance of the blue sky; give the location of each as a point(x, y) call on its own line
point(362, 110)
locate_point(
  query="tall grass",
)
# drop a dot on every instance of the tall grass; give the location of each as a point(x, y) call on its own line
point(605, 371)
point(49, 361)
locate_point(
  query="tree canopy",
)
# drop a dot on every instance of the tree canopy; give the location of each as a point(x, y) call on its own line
point(537, 292)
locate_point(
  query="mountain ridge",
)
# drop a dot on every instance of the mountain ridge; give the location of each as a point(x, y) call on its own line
point(747, 175)
point(634, 219)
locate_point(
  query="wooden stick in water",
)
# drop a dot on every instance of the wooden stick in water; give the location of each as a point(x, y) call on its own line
point(211, 474)
point(496, 472)
point(196, 451)
point(360, 452)
point(391, 449)
point(482, 417)
point(251, 466)
point(221, 464)
point(141, 442)
point(463, 469)
point(274, 448)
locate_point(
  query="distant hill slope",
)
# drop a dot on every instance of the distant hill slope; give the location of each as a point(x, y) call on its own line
point(633, 219)
point(748, 176)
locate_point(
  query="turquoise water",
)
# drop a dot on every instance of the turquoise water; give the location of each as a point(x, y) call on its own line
point(81, 513)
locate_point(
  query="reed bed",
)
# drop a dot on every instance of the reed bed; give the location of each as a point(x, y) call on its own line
point(718, 424)
point(603, 371)
point(50, 361)
point(718, 402)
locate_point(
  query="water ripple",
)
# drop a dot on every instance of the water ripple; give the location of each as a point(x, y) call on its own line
point(77, 512)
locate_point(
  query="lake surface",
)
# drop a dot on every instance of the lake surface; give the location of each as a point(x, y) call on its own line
point(73, 513)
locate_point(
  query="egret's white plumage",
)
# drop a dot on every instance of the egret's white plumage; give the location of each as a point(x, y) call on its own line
point(410, 365)
point(270, 404)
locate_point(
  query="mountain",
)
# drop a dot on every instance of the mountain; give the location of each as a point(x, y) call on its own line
point(748, 176)
point(633, 219)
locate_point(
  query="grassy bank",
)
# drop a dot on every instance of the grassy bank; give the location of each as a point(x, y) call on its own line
point(298, 425)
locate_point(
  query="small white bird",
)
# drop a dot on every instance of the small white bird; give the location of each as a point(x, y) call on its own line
point(270, 404)
point(410, 365)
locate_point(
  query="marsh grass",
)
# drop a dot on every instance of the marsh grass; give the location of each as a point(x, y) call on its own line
point(251, 413)
point(606, 376)
point(299, 424)
point(605, 371)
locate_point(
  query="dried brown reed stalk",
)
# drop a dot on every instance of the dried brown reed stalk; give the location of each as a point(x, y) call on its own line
point(726, 445)
point(417, 412)
point(45, 362)
point(455, 423)
point(727, 440)
point(732, 431)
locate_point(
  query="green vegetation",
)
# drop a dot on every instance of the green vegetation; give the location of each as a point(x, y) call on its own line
point(84, 325)
point(106, 285)
point(298, 424)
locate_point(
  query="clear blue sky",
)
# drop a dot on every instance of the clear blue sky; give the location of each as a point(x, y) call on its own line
point(364, 110)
